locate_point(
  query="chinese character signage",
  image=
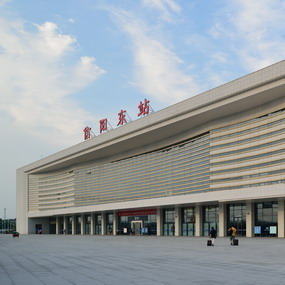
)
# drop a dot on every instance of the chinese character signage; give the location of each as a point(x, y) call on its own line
point(103, 125)
point(87, 133)
point(122, 117)
point(144, 109)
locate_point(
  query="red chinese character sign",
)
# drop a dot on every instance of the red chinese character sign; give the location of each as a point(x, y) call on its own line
point(87, 133)
point(122, 117)
point(103, 125)
point(143, 108)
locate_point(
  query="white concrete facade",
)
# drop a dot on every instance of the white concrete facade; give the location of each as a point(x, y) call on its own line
point(235, 132)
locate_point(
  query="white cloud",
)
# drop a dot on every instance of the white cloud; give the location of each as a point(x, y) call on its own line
point(254, 31)
point(166, 7)
point(36, 84)
point(51, 42)
point(4, 2)
point(219, 57)
point(157, 68)
point(158, 72)
point(86, 71)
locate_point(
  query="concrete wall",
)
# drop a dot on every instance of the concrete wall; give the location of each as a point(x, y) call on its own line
point(22, 202)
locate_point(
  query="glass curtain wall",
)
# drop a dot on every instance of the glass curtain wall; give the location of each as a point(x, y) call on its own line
point(188, 221)
point(236, 214)
point(78, 222)
point(124, 225)
point(60, 225)
point(98, 224)
point(210, 219)
point(150, 225)
point(87, 224)
point(109, 223)
point(266, 219)
point(169, 222)
point(52, 225)
point(69, 224)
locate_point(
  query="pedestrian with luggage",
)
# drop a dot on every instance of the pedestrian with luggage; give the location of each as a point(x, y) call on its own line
point(233, 232)
point(213, 235)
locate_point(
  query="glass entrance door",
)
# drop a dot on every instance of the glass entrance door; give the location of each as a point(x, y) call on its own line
point(237, 218)
point(266, 218)
point(136, 227)
point(239, 225)
point(38, 228)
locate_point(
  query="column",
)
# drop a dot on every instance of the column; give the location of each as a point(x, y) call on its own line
point(177, 217)
point(249, 218)
point(103, 224)
point(82, 225)
point(64, 225)
point(115, 223)
point(92, 224)
point(73, 224)
point(222, 219)
point(57, 225)
point(281, 218)
point(198, 220)
point(159, 222)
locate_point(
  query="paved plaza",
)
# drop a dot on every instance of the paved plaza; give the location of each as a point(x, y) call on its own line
point(62, 260)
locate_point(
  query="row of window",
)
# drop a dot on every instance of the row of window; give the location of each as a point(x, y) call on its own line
point(250, 167)
point(251, 139)
point(259, 128)
point(158, 174)
point(273, 182)
point(265, 224)
point(251, 121)
point(270, 154)
point(160, 156)
point(249, 176)
point(156, 165)
point(228, 163)
point(249, 149)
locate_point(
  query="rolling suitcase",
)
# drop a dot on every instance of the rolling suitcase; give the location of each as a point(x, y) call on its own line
point(209, 242)
point(235, 242)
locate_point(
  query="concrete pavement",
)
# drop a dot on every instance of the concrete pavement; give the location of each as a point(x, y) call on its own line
point(62, 260)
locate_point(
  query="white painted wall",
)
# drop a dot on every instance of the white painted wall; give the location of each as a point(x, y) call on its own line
point(22, 202)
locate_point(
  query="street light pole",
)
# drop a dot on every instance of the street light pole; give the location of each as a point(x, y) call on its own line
point(4, 222)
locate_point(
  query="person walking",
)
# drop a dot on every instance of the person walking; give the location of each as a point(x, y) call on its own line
point(233, 233)
point(213, 235)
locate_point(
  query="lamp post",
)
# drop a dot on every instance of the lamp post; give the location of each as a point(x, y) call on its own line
point(5, 219)
point(5, 223)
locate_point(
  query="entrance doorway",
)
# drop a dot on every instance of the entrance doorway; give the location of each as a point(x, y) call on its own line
point(237, 218)
point(38, 228)
point(266, 218)
point(136, 227)
point(239, 224)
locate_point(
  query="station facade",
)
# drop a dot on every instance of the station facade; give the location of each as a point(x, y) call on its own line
point(214, 160)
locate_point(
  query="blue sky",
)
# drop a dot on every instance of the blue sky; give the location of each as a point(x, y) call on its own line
point(67, 64)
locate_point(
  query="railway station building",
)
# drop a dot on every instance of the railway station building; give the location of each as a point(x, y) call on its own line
point(214, 160)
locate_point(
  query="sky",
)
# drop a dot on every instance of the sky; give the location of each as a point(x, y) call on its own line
point(67, 64)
